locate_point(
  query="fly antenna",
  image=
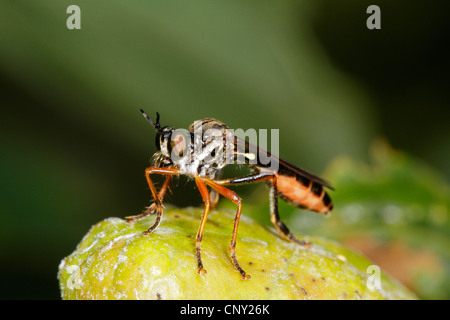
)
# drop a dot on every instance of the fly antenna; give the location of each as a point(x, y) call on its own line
point(155, 125)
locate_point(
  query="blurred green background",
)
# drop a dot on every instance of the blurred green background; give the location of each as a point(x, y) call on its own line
point(74, 145)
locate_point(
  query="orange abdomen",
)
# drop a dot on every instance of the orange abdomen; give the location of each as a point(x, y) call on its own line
point(304, 193)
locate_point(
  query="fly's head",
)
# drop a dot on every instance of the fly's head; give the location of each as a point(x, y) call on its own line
point(172, 143)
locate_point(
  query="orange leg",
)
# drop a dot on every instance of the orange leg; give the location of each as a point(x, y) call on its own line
point(205, 195)
point(157, 205)
point(237, 200)
point(214, 198)
point(152, 207)
point(214, 195)
point(274, 216)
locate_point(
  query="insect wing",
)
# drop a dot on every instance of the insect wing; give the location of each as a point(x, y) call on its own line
point(263, 158)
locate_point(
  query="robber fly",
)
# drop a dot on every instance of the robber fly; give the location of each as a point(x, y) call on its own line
point(201, 156)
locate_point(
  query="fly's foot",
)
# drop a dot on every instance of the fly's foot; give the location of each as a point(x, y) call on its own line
point(198, 254)
point(244, 275)
point(131, 219)
point(159, 208)
point(303, 243)
point(201, 271)
point(306, 244)
point(150, 210)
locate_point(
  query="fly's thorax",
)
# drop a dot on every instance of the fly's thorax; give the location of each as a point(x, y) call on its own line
point(202, 149)
point(213, 145)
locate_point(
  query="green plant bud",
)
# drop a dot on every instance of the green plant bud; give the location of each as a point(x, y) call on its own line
point(115, 260)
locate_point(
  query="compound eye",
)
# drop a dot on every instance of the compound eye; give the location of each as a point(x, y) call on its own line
point(178, 145)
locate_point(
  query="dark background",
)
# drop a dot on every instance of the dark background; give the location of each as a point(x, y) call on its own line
point(74, 145)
